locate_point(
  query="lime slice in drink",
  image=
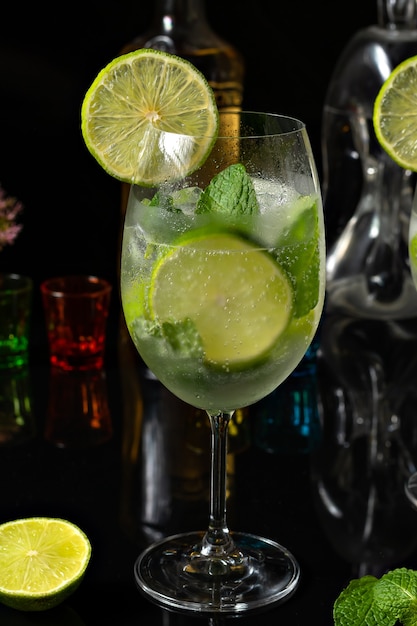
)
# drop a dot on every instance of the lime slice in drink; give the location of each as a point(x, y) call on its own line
point(42, 561)
point(395, 114)
point(235, 294)
point(133, 99)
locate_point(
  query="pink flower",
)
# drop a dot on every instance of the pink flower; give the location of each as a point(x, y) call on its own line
point(10, 209)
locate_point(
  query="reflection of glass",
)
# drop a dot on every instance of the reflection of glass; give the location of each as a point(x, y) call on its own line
point(78, 412)
point(17, 423)
point(368, 373)
point(166, 474)
point(218, 571)
point(62, 615)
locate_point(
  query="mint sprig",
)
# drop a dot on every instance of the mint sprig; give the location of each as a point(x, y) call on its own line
point(369, 601)
point(229, 193)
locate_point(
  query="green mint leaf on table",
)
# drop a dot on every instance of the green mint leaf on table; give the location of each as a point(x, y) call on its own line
point(369, 601)
point(398, 589)
point(229, 193)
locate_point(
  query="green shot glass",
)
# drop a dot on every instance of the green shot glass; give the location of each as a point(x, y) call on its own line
point(15, 316)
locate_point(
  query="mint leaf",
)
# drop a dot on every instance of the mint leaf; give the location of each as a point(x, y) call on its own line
point(165, 202)
point(355, 606)
point(396, 591)
point(368, 601)
point(297, 251)
point(177, 201)
point(183, 338)
point(229, 193)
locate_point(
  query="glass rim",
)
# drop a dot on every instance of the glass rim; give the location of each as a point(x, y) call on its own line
point(13, 282)
point(66, 286)
point(295, 125)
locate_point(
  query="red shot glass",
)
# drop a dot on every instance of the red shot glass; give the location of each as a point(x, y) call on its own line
point(76, 309)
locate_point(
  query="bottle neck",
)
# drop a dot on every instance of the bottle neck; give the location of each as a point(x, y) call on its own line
point(168, 13)
point(397, 14)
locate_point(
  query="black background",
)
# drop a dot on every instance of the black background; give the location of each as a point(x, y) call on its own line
point(71, 223)
point(47, 62)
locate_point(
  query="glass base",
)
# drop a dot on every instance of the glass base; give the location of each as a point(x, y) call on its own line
point(257, 573)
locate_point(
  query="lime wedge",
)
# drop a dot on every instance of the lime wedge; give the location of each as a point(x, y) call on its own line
point(395, 114)
point(235, 294)
point(42, 561)
point(136, 97)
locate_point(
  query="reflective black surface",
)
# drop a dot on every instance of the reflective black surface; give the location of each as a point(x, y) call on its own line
point(118, 495)
point(338, 513)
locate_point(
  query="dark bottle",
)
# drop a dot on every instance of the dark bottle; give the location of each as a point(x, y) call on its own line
point(181, 27)
point(367, 196)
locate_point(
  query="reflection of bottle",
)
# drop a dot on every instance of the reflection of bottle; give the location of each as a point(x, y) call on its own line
point(367, 382)
point(367, 197)
point(166, 460)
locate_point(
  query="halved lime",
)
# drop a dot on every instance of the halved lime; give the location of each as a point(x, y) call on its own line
point(236, 295)
point(395, 114)
point(42, 561)
point(133, 99)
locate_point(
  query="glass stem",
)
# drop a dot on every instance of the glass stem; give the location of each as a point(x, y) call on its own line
point(217, 540)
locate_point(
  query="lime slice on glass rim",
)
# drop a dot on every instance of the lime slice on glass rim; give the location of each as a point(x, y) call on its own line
point(237, 296)
point(395, 114)
point(42, 562)
point(133, 99)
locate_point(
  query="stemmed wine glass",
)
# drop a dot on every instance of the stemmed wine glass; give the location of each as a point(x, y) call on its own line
point(222, 284)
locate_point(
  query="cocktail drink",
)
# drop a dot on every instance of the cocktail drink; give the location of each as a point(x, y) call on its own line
point(222, 285)
point(222, 289)
point(223, 305)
